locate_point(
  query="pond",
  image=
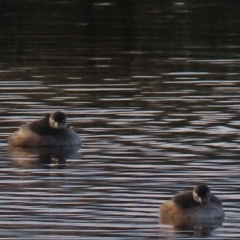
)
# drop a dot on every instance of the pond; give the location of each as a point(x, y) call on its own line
point(153, 91)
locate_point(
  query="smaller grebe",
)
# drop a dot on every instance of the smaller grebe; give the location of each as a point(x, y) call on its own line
point(199, 204)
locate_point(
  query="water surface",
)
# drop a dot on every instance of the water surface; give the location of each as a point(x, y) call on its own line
point(153, 91)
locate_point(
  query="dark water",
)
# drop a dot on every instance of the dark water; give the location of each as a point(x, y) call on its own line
point(153, 90)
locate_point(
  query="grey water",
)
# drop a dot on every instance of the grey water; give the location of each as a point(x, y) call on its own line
point(152, 88)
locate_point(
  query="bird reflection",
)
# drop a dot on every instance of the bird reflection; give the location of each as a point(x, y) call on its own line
point(47, 157)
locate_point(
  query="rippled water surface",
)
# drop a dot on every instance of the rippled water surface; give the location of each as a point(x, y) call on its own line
point(153, 90)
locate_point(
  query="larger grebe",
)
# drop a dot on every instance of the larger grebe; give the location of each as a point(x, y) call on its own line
point(52, 130)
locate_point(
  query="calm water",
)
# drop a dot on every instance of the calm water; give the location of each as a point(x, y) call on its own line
point(153, 90)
